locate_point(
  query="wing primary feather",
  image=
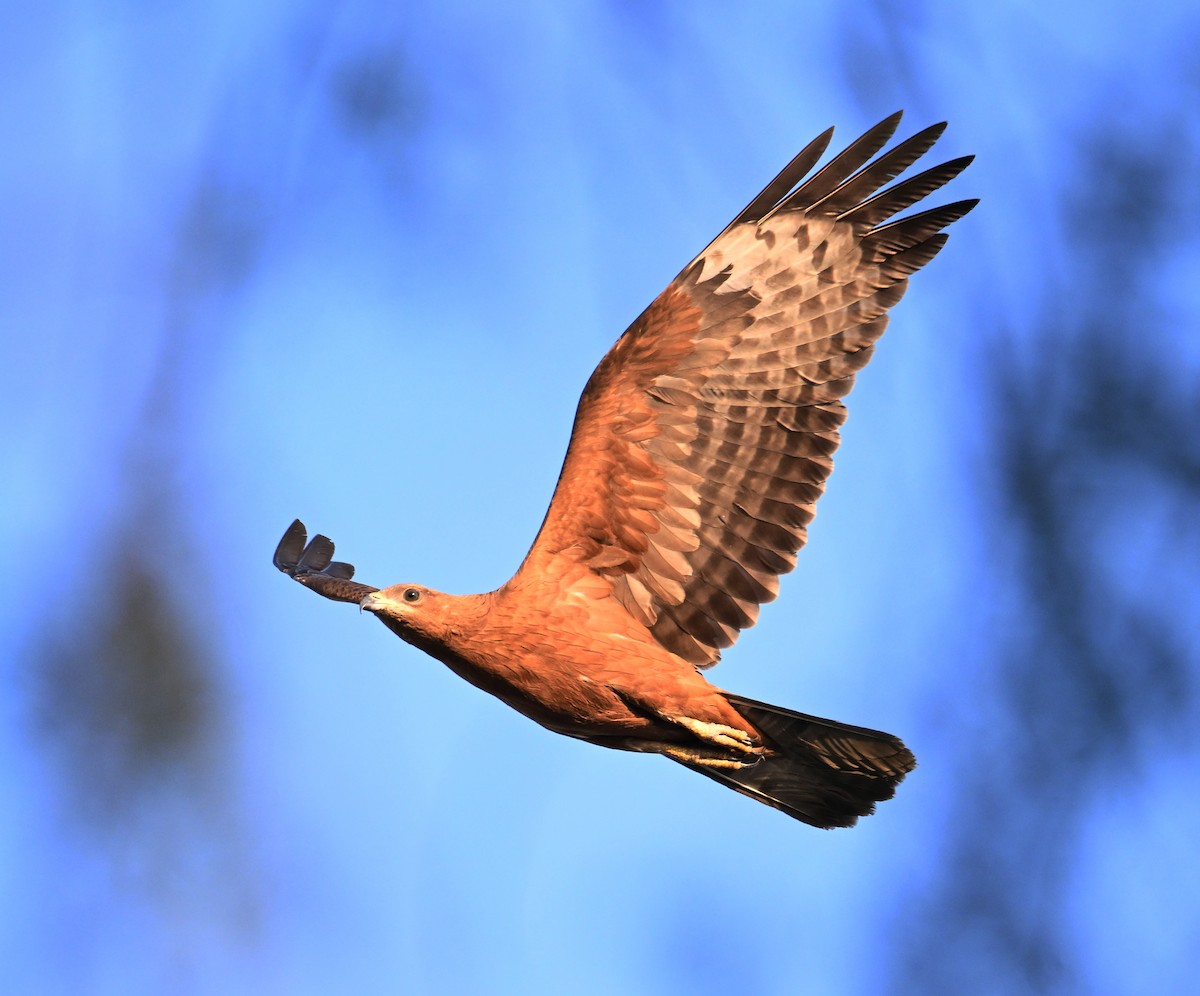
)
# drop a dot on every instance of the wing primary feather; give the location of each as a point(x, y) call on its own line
point(778, 188)
point(873, 176)
point(785, 181)
point(896, 236)
point(912, 259)
point(840, 166)
point(904, 194)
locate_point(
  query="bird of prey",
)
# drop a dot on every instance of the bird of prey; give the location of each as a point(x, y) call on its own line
point(701, 445)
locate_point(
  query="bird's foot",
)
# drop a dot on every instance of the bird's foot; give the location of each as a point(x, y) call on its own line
point(690, 755)
point(721, 736)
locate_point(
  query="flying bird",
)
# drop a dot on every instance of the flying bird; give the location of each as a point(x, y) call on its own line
point(701, 445)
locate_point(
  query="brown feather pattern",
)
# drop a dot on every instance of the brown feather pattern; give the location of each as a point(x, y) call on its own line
point(704, 439)
point(701, 446)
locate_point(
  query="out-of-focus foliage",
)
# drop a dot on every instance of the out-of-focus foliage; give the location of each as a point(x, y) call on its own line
point(1086, 651)
point(322, 259)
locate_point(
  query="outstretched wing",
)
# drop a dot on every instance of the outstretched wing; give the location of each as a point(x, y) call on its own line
point(312, 564)
point(704, 438)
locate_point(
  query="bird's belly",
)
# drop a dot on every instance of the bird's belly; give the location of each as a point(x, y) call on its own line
point(581, 700)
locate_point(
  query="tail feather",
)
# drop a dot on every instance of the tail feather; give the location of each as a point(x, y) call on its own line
point(825, 773)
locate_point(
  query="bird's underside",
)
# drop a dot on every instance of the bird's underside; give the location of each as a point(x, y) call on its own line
point(701, 445)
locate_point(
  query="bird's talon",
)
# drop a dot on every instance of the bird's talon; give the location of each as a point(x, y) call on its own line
point(721, 735)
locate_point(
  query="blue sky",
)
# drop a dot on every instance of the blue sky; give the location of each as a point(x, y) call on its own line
point(353, 263)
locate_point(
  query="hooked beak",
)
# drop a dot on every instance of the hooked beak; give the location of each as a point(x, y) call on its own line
point(372, 603)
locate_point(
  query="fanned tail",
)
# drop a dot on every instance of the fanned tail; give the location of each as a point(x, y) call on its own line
point(825, 773)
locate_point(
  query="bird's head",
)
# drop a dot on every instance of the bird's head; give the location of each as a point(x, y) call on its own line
point(415, 613)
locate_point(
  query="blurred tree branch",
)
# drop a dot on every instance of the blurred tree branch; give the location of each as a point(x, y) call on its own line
point(1093, 436)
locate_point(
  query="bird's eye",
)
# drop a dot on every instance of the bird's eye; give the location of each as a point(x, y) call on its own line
point(412, 595)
